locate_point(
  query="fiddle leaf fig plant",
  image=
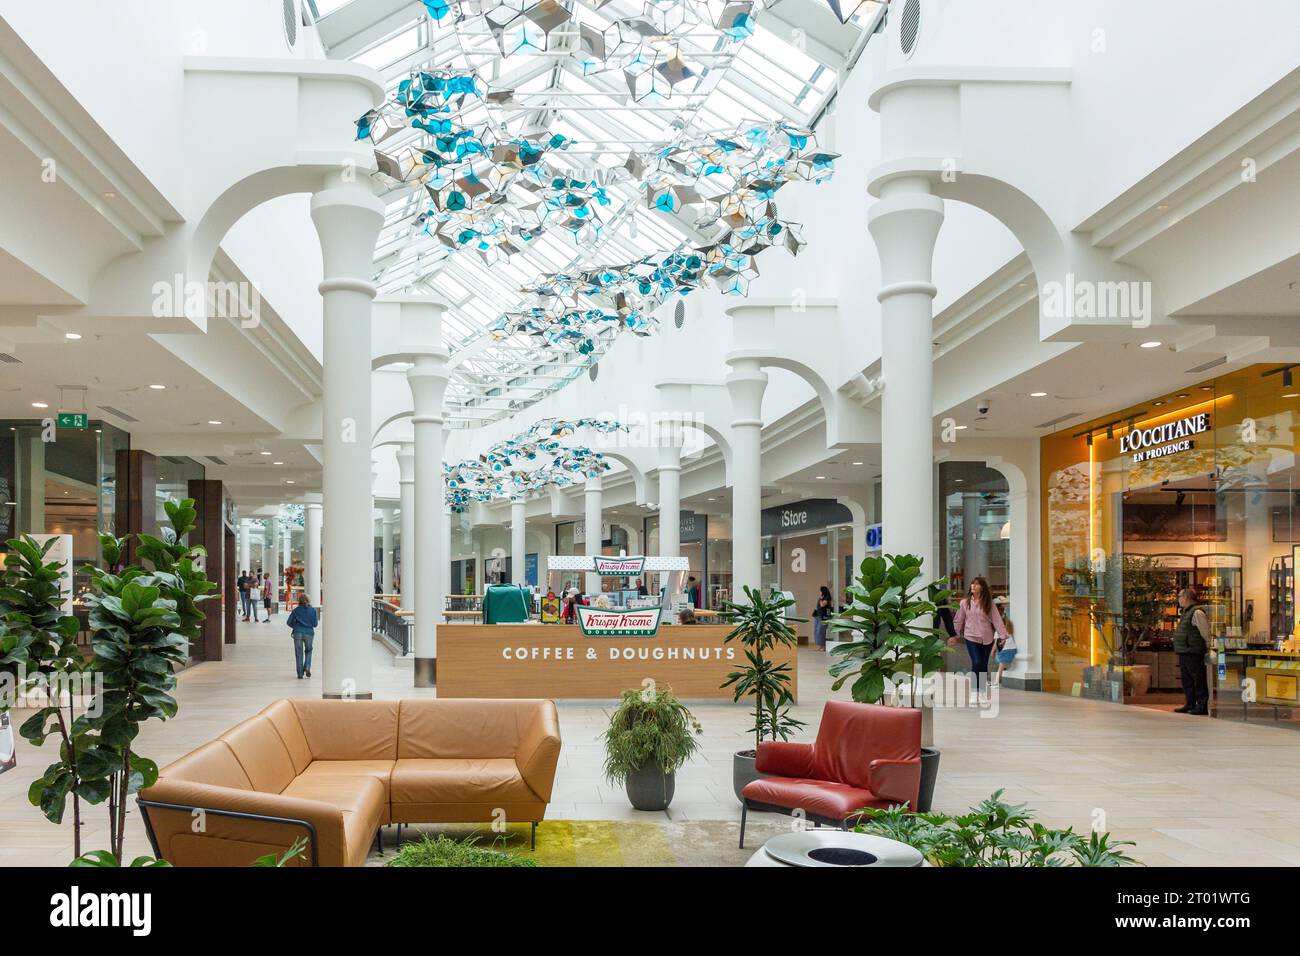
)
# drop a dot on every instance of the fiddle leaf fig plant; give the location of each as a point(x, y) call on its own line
point(891, 639)
point(142, 621)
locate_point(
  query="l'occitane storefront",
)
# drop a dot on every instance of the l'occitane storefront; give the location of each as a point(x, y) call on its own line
point(1195, 489)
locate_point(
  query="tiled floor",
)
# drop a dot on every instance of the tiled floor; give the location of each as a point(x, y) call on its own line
point(1187, 790)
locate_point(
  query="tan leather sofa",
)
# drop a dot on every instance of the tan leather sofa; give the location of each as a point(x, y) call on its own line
point(335, 771)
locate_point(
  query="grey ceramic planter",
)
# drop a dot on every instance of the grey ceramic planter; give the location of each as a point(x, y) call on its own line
point(649, 788)
point(742, 771)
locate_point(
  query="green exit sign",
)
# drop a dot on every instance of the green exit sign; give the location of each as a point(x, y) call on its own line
point(73, 419)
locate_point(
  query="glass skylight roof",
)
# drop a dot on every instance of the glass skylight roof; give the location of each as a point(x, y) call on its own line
point(764, 78)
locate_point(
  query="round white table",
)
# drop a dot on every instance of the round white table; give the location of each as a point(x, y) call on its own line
point(827, 847)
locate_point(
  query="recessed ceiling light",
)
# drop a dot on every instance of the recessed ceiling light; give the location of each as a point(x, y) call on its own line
point(1292, 395)
point(1163, 206)
point(264, 453)
point(157, 388)
point(110, 195)
point(1183, 395)
point(40, 405)
point(961, 428)
point(857, 464)
point(821, 477)
point(289, 481)
point(1152, 345)
point(213, 421)
point(1157, 403)
point(959, 480)
point(277, 463)
point(72, 336)
point(710, 499)
point(1037, 394)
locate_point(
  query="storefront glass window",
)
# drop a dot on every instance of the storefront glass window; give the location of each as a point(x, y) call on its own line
point(1195, 489)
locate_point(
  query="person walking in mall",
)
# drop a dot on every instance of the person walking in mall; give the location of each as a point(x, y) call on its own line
point(254, 597)
point(267, 595)
point(979, 623)
point(1191, 643)
point(303, 621)
point(821, 617)
point(242, 584)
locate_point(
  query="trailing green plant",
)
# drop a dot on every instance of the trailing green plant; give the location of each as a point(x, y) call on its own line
point(444, 851)
point(38, 650)
point(103, 858)
point(761, 624)
point(295, 850)
point(142, 623)
point(890, 618)
point(649, 727)
point(993, 833)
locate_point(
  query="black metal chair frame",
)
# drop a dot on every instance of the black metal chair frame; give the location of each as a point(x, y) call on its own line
point(233, 814)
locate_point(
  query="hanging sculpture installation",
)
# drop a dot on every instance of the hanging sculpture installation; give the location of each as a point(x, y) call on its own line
point(494, 191)
point(529, 462)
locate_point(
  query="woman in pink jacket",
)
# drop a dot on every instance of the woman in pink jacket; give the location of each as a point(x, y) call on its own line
point(980, 625)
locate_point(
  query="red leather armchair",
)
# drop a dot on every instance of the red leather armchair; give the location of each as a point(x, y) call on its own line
point(866, 755)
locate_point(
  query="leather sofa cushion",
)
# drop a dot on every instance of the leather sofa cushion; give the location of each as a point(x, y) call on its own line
point(360, 799)
point(260, 751)
point(349, 730)
point(381, 770)
point(491, 780)
point(819, 798)
point(463, 728)
point(289, 727)
point(213, 764)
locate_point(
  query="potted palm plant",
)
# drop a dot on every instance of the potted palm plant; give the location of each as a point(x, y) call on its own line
point(650, 736)
point(760, 624)
point(892, 643)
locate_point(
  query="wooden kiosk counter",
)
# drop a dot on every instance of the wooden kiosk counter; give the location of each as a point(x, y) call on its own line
point(615, 649)
point(558, 661)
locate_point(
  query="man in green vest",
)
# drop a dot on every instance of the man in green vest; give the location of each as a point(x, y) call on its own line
point(1191, 643)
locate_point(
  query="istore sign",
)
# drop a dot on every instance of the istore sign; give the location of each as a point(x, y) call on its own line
point(1148, 444)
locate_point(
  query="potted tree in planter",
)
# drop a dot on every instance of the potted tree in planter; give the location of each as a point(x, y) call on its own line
point(142, 622)
point(650, 736)
point(760, 624)
point(892, 642)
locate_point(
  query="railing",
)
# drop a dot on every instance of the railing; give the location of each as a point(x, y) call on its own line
point(393, 624)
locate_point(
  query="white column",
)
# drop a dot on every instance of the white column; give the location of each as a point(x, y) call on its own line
point(311, 552)
point(348, 217)
point(406, 481)
point(388, 521)
point(670, 501)
point(445, 570)
point(273, 558)
point(904, 223)
point(287, 536)
point(518, 519)
point(591, 529)
point(245, 544)
point(428, 378)
point(746, 384)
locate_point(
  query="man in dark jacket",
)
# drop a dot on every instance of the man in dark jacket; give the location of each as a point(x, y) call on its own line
point(242, 584)
point(1191, 643)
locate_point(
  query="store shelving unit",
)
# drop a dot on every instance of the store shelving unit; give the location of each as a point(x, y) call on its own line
point(1281, 597)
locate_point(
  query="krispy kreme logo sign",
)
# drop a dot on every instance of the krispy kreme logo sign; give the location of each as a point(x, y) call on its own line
point(1148, 444)
point(619, 567)
point(595, 622)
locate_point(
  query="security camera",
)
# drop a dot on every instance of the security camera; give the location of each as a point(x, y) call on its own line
point(983, 406)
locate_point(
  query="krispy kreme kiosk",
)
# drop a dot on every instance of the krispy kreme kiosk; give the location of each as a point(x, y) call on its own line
point(621, 640)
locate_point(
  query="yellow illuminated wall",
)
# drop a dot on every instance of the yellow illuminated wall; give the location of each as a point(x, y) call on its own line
point(1253, 439)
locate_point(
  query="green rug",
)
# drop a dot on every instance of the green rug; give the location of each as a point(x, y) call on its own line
point(609, 843)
